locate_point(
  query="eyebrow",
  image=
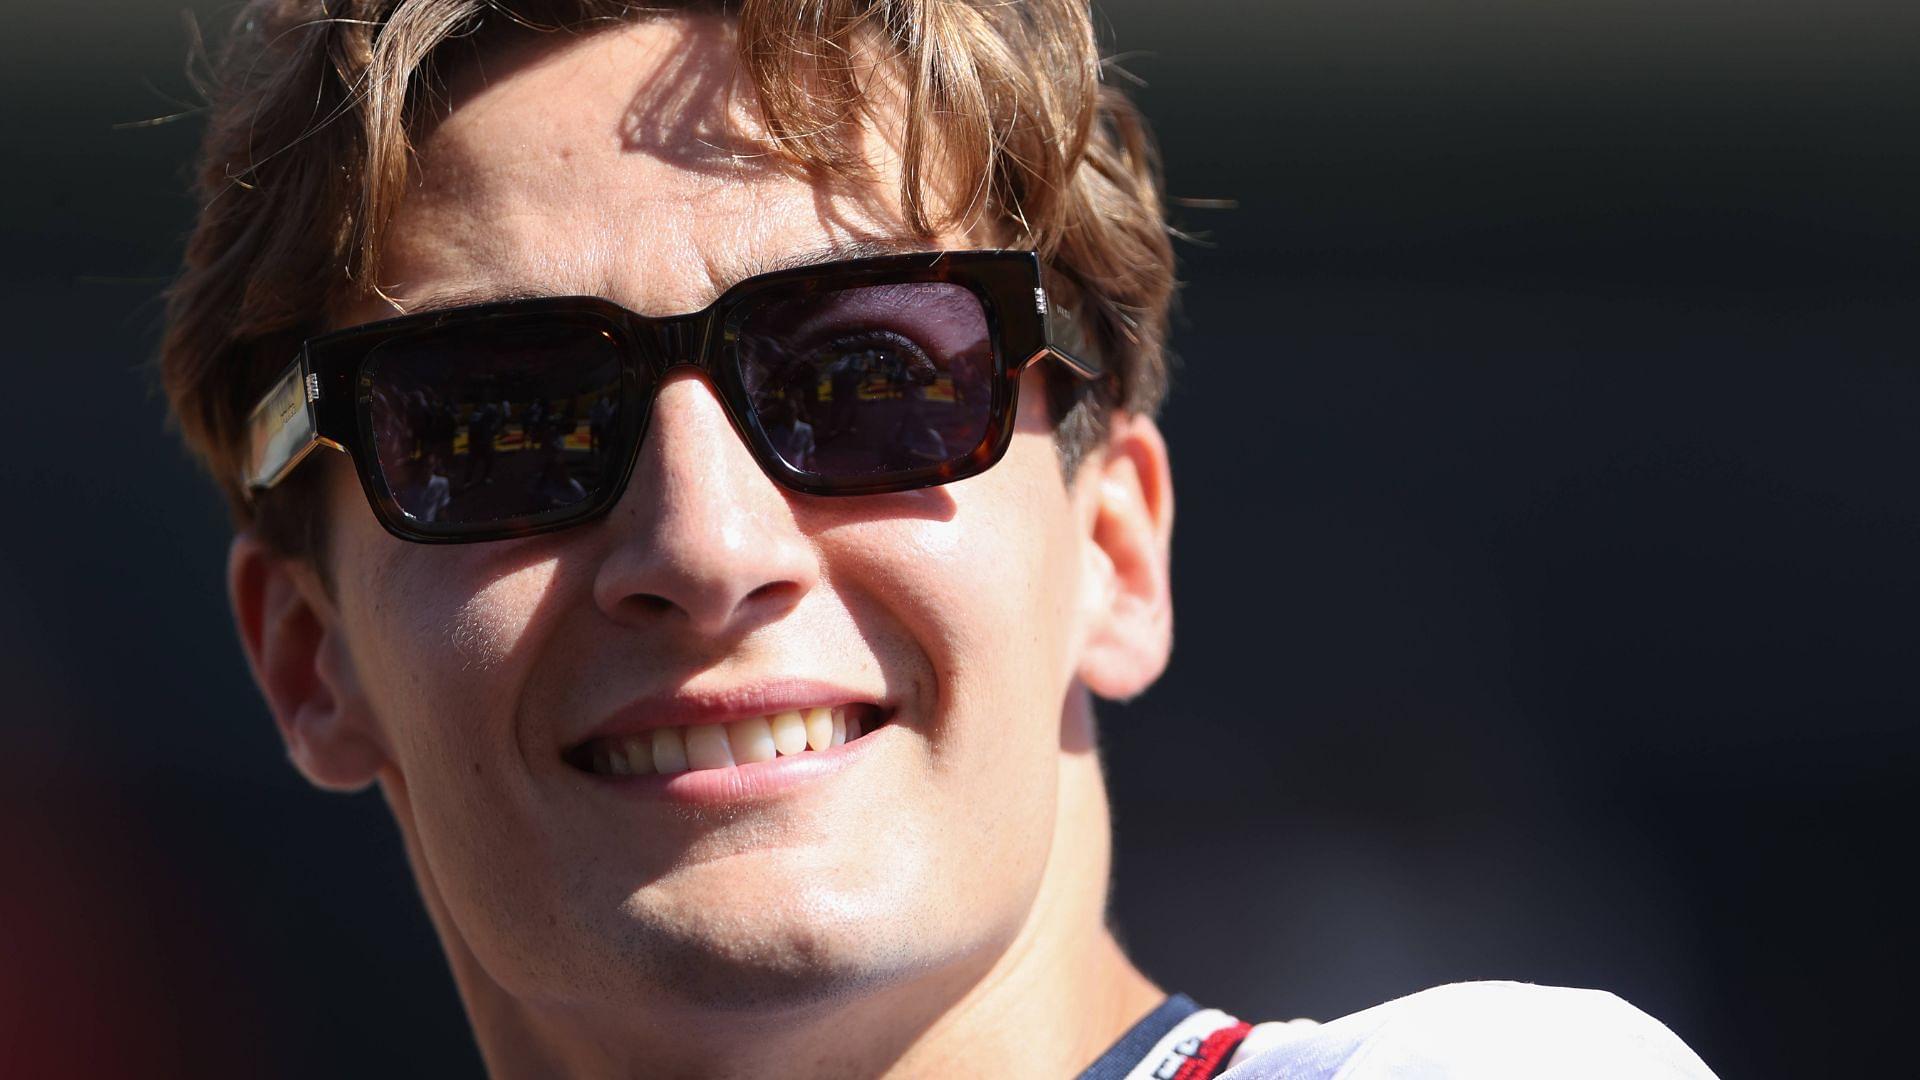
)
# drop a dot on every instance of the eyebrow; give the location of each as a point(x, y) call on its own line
point(833, 252)
point(753, 267)
point(749, 268)
point(449, 299)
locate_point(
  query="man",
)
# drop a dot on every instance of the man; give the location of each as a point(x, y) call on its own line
point(710, 761)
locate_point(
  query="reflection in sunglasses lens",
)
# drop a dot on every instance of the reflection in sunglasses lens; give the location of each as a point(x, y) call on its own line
point(515, 421)
point(869, 381)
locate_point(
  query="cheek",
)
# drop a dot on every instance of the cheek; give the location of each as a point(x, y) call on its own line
point(978, 607)
point(493, 625)
point(442, 639)
point(987, 599)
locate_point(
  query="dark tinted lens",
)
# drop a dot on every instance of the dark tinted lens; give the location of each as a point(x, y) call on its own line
point(865, 382)
point(509, 421)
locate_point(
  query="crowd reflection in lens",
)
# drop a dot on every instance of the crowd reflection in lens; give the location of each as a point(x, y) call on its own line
point(870, 380)
point(863, 409)
point(498, 451)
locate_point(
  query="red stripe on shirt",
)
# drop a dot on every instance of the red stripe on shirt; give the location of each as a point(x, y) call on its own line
point(1214, 1052)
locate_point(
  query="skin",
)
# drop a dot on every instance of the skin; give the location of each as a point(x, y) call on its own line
point(933, 907)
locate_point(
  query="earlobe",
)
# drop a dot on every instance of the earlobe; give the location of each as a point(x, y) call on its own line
point(1129, 597)
point(290, 632)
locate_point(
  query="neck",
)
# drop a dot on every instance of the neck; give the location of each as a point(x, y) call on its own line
point(1045, 1006)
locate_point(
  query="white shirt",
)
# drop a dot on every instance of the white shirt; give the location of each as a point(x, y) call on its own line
point(1477, 1030)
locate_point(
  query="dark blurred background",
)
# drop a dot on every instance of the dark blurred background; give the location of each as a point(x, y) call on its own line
point(1545, 447)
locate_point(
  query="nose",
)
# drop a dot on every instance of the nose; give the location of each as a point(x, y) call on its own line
point(703, 537)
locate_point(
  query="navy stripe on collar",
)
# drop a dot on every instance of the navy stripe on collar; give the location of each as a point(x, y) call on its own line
point(1123, 1055)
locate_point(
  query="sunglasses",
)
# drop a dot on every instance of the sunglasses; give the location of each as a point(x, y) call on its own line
point(506, 419)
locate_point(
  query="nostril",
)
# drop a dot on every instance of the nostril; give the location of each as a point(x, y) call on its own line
point(776, 592)
point(650, 603)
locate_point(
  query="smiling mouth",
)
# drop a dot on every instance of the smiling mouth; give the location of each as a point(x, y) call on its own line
point(698, 747)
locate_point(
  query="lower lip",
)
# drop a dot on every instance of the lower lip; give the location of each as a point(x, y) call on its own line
point(759, 781)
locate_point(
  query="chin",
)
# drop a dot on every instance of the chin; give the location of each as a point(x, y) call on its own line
point(763, 961)
point(745, 920)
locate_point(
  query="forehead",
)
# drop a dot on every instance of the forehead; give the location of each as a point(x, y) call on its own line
point(630, 163)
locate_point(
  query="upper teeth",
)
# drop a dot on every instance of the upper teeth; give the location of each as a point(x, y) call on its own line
point(717, 746)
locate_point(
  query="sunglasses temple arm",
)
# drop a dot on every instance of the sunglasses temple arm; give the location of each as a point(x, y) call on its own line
point(1079, 367)
point(1065, 341)
point(283, 428)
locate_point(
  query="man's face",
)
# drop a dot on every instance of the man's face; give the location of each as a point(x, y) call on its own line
point(611, 165)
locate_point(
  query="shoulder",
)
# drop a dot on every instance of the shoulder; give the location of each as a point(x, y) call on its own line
point(1484, 1030)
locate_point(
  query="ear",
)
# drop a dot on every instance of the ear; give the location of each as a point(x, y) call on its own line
point(291, 633)
point(1129, 487)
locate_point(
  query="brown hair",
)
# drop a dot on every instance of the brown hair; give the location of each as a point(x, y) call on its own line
point(308, 147)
